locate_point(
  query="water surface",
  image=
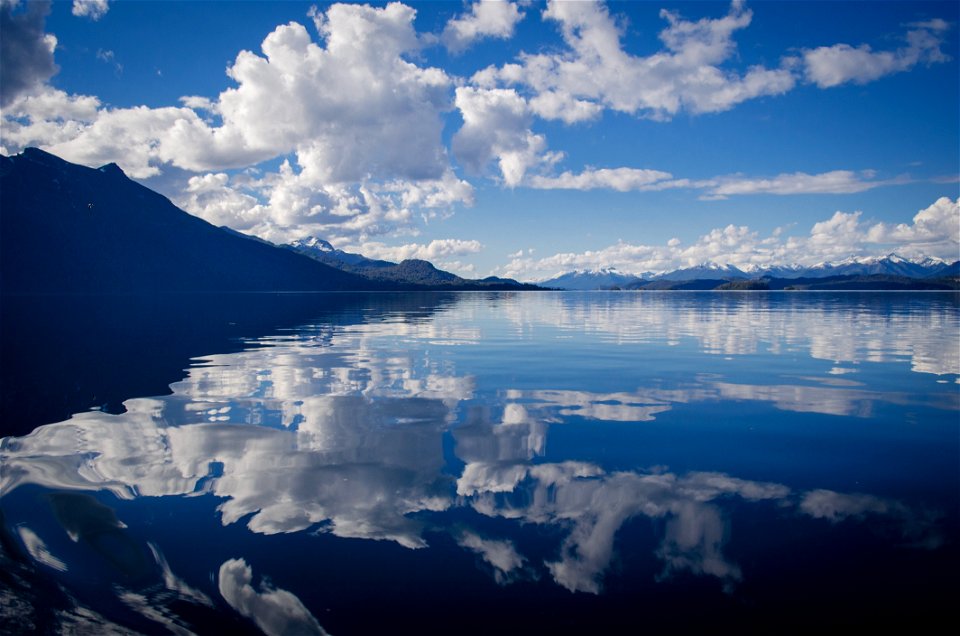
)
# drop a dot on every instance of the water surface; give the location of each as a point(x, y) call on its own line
point(479, 463)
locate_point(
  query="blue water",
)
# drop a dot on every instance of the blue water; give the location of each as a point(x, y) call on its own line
point(480, 463)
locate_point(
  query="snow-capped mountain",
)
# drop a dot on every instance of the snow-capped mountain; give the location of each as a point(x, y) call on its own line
point(323, 251)
point(705, 270)
point(889, 265)
point(585, 280)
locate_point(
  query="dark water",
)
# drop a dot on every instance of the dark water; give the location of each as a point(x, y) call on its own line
point(479, 463)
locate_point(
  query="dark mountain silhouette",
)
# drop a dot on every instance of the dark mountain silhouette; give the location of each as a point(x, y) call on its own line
point(68, 228)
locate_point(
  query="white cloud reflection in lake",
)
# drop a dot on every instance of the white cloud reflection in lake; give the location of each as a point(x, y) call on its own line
point(342, 429)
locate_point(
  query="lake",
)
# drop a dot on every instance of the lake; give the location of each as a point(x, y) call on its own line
point(479, 462)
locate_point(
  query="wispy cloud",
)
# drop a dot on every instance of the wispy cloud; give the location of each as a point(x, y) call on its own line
point(829, 66)
point(109, 57)
point(832, 182)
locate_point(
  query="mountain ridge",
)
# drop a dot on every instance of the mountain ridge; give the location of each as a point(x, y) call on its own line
point(114, 235)
point(415, 271)
point(891, 265)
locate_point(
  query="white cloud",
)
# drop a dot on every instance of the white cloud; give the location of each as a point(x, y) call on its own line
point(210, 197)
point(487, 18)
point(829, 66)
point(291, 204)
point(496, 125)
point(439, 248)
point(833, 182)
point(363, 123)
point(595, 72)
point(93, 9)
point(620, 179)
point(935, 230)
point(275, 611)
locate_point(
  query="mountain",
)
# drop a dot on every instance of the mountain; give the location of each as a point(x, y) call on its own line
point(889, 265)
point(407, 272)
point(320, 250)
point(584, 280)
point(69, 228)
point(710, 275)
point(705, 271)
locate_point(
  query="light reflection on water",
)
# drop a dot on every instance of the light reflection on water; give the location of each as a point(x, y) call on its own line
point(472, 422)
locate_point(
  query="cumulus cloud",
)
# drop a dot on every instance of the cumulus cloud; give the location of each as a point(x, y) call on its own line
point(829, 66)
point(438, 248)
point(934, 232)
point(93, 9)
point(274, 610)
point(362, 123)
point(595, 71)
point(496, 125)
point(487, 18)
point(26, 52)
point(290, 204)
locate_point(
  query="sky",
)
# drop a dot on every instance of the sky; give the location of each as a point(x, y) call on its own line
point(518, 139)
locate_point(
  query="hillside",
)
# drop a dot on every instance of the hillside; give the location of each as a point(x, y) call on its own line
point(69, 228)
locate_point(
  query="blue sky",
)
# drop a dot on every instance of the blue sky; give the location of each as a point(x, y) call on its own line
point(515, 139)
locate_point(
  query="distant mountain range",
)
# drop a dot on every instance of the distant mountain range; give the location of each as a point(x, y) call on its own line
point(69, 228)
point(890, 271)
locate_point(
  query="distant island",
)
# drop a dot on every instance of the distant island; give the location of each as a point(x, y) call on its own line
point(67, 228)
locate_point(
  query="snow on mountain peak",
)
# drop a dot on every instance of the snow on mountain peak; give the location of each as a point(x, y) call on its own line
point(315, 243)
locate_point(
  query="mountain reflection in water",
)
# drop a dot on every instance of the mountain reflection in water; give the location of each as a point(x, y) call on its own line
point(556, 454)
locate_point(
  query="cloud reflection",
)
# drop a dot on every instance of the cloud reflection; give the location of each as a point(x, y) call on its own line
point(861, 328)
point(343, 429)
point(595, 504)
point(38, 550)
point(500, 555)
point(275, 611)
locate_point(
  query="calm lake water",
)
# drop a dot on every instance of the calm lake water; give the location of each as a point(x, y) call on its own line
point(479, 463)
